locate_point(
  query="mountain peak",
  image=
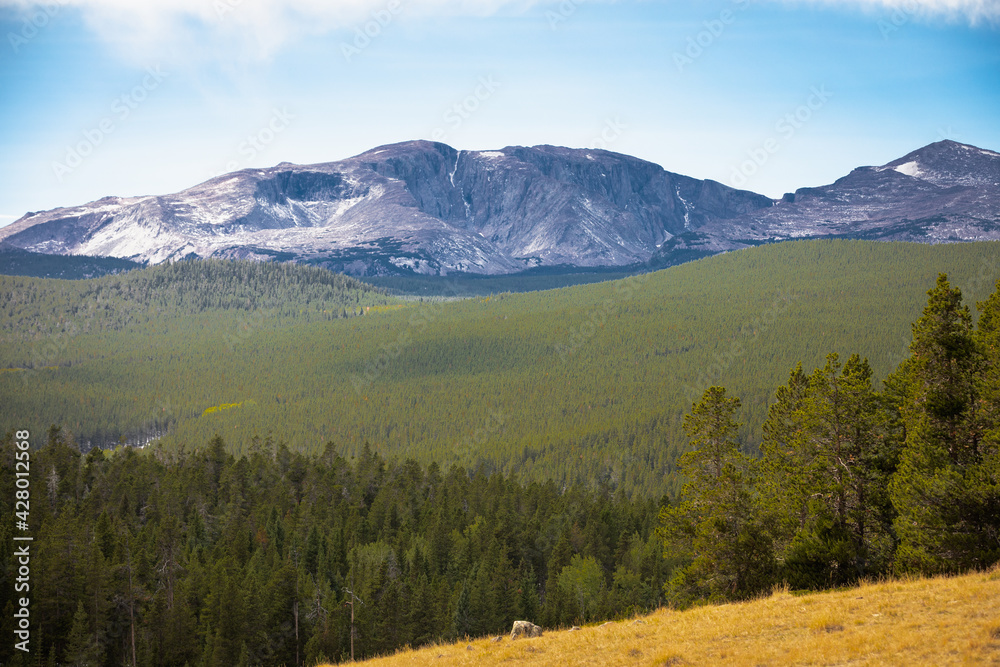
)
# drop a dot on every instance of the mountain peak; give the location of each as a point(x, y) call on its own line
point(949, 163)
point(408, 147)
point(425, 207)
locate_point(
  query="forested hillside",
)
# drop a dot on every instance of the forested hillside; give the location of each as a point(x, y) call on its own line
point(169, 292)
point(203, 559)
point(169, 557)
point(856, 479)
point(585, 384)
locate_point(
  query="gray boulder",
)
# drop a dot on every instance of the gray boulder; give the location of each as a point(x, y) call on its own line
point(525, 629)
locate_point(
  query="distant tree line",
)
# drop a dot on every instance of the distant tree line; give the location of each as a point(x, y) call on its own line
point(852, 483)
point(33, 306)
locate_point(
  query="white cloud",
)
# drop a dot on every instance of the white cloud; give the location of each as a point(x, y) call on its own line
point(228, 30)
point(154, 28)
point(971, 11)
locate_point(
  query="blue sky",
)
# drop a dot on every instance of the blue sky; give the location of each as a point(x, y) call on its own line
point(115, 97)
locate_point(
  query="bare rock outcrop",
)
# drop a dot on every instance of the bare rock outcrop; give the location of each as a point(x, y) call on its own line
point(525, 629)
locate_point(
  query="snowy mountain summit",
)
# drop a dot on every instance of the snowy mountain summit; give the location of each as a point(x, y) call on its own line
point(427, 208)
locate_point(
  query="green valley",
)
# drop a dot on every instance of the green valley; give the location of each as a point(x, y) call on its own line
point(585, 384)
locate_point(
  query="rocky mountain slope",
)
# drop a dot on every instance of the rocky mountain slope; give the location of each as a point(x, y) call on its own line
point(944, 192)
point(427, 208)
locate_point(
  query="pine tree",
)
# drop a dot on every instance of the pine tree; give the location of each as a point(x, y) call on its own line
point(783, 483)
point(716, 526)
point(984, 482)
point(528, 607)
point(557, 609)
point(938, 519)
point(824, 470)
point(463, 622)
point(81, 650)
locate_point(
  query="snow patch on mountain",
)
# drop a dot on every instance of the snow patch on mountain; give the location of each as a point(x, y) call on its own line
point(982, 151)
point(909, 169)
point(425, 207)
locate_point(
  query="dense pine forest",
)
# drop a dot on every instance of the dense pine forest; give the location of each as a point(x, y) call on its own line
point(125, 302)
point(18, 262)
point(582, 385)
point(170, 556)
point(158, 558)
point(854, 480)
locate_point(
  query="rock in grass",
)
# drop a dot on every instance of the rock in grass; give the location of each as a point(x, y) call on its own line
point(525, 629)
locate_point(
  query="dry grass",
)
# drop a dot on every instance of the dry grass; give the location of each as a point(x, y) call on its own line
point(942, 621)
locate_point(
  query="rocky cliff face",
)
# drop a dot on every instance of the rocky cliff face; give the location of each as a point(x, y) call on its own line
point(944, 192)
point(417, 206)
point(549, 205)
point(427, 208)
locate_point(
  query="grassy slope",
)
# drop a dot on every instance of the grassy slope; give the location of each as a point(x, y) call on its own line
point(941, 621)
point(578, 384)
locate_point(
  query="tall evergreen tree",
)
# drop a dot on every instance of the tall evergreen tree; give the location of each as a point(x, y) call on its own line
point(984, 483)
point(824, 470)
point(81, 649)
point(783, 482)
point(939, 520)
point(558, 609)
point(716, 524)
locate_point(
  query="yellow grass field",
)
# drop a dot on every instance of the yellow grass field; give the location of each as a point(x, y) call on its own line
point(941, 621)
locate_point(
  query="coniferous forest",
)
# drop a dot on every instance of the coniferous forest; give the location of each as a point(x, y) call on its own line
point(575, 385)
point(853, 480)
point(193, 551)
point(200, 558)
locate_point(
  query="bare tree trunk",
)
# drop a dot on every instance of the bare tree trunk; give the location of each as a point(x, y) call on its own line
point(131, 606)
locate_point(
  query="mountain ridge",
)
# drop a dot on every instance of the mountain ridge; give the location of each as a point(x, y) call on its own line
point(423, 207)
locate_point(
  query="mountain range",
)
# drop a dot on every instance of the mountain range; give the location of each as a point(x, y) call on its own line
point(427, 208)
